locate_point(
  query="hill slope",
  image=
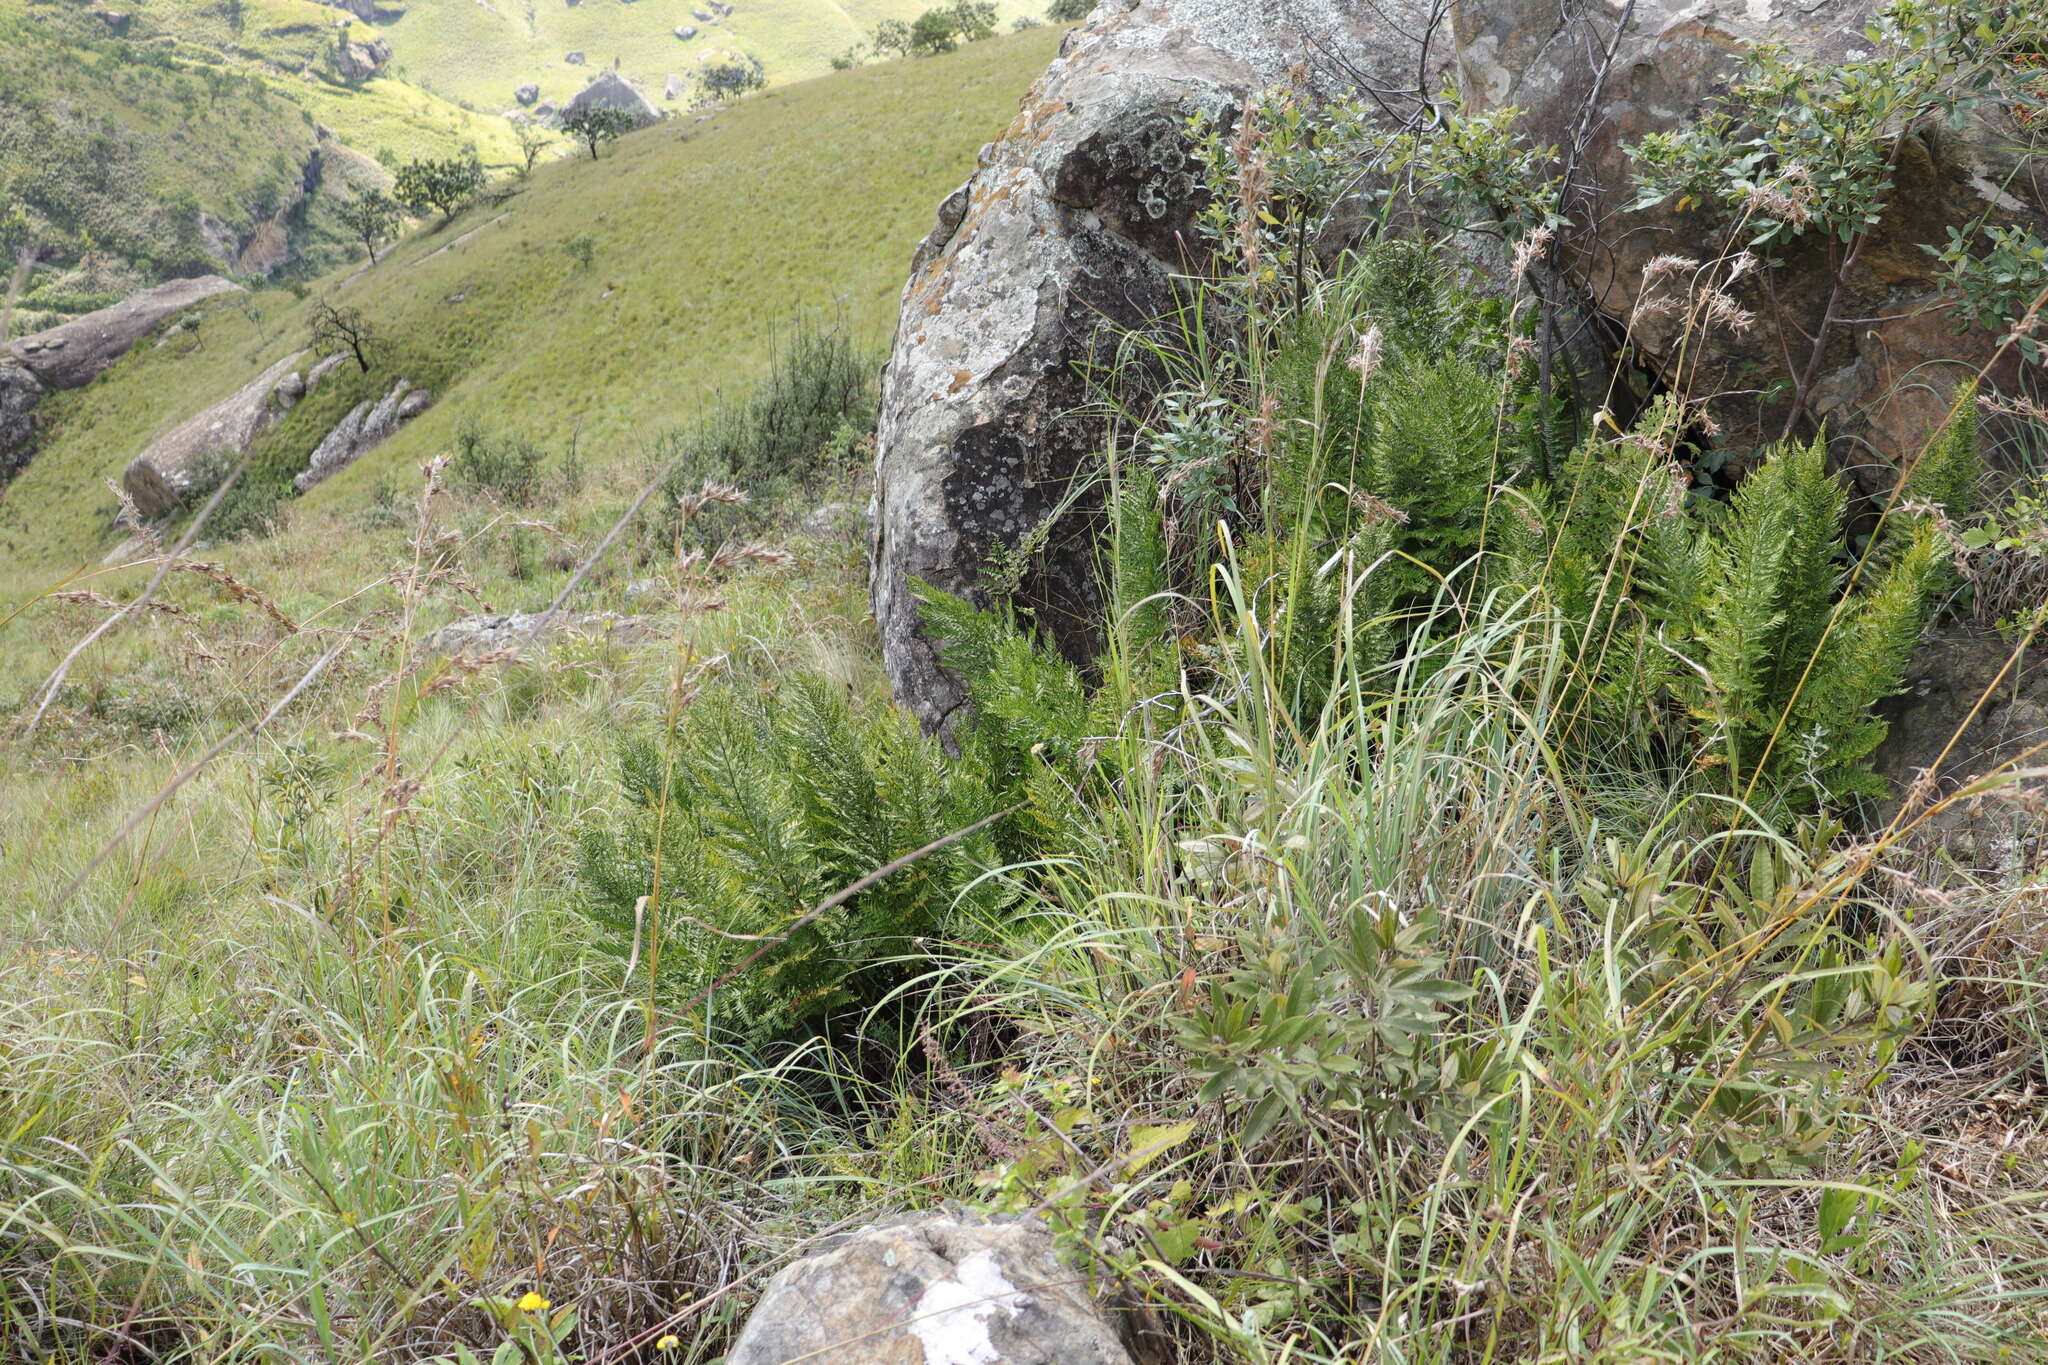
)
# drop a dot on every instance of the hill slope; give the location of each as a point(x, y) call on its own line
point(704, 238)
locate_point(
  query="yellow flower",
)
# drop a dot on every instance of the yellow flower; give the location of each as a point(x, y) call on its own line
point(532, 1302)
point(668, 1343)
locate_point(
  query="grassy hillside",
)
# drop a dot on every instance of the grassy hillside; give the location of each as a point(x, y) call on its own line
point(479, 53)
point(706, 239)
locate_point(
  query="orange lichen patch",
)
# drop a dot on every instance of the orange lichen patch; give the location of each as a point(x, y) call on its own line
point(961, 379)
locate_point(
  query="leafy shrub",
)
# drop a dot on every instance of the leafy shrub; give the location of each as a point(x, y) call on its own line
point(509, 467)
point(761, 804)
point(1069, 11)
point(793, 429)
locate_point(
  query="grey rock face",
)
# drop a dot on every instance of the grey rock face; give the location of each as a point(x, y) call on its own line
point(20, 391)
point(1884, 383)
point(360, 61)
point(527, 93)
point(932, 1289)
point(611, 90)
point(78, 351)
point(1076, 222)
point(366, 425)
point(158, 478)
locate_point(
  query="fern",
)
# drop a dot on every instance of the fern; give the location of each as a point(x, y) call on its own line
point(754, 811)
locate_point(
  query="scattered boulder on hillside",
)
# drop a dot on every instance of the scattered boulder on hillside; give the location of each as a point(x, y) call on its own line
point(609, 89)
point(365, 10)
point(527, 93)
point(492, 634)
point(358, 62)
point(366, 425)
point(1883, 383)
point(117, 21)
point(161, 475)
point(687, 32)
point(674, 87)
point(947, 1288)
point(575, 59)
point(1077, 220)
point(20, 391)
point(76, 352)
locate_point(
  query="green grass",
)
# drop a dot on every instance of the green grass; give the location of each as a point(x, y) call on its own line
point(709, 238)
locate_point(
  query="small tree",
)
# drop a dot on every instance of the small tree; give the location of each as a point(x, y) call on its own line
point(892, 38)
point(974, 19)
point(1069, 11)
point(344, 329)
point(371, 215)
point(533, 140)
point(731, 77)
point(596, 124)
point(440, 185)
point(936, 31)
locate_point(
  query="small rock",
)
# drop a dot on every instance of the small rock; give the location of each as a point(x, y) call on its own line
point(673, 87)
point(289, 390)
point(950, 1288)
point(116, 20)
point(834, 518)
point(489, 634)
point(687, 32)
point(527, 93)
point(413, 404)
point(574, 59)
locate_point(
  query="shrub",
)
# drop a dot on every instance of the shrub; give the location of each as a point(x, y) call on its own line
point(1069, 11)
point(509, 468)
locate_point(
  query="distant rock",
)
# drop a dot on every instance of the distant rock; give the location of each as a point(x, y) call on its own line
point(674, 87)
point(575, 59)
point(490, 634)
point(527, 93)
point(358, 62)
point(76, 352)
point(686, 32)
point(117, 21)
point(158, 479)
point(834, 519)
point(931, 1289)
point(362, 430)
point(20, 391)
point(611, 90)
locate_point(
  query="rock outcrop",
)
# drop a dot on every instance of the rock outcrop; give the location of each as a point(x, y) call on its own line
point(158, 479)
point(20, 391)
point(527, 93)
point(1076, 223)
point(359, 62)
point(367, 425)
point(608, 89)
point(78, 351)
point(932, 1289)
point(1883, 384)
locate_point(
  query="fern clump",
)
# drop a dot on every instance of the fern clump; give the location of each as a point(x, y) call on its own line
point(757, 807)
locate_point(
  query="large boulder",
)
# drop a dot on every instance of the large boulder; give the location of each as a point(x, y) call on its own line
point(78, 351)
point(1883, 384)
point(1075, 224)
point(932, 1289)
point(20, 391)
point(608, 89)
point(159, 477)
